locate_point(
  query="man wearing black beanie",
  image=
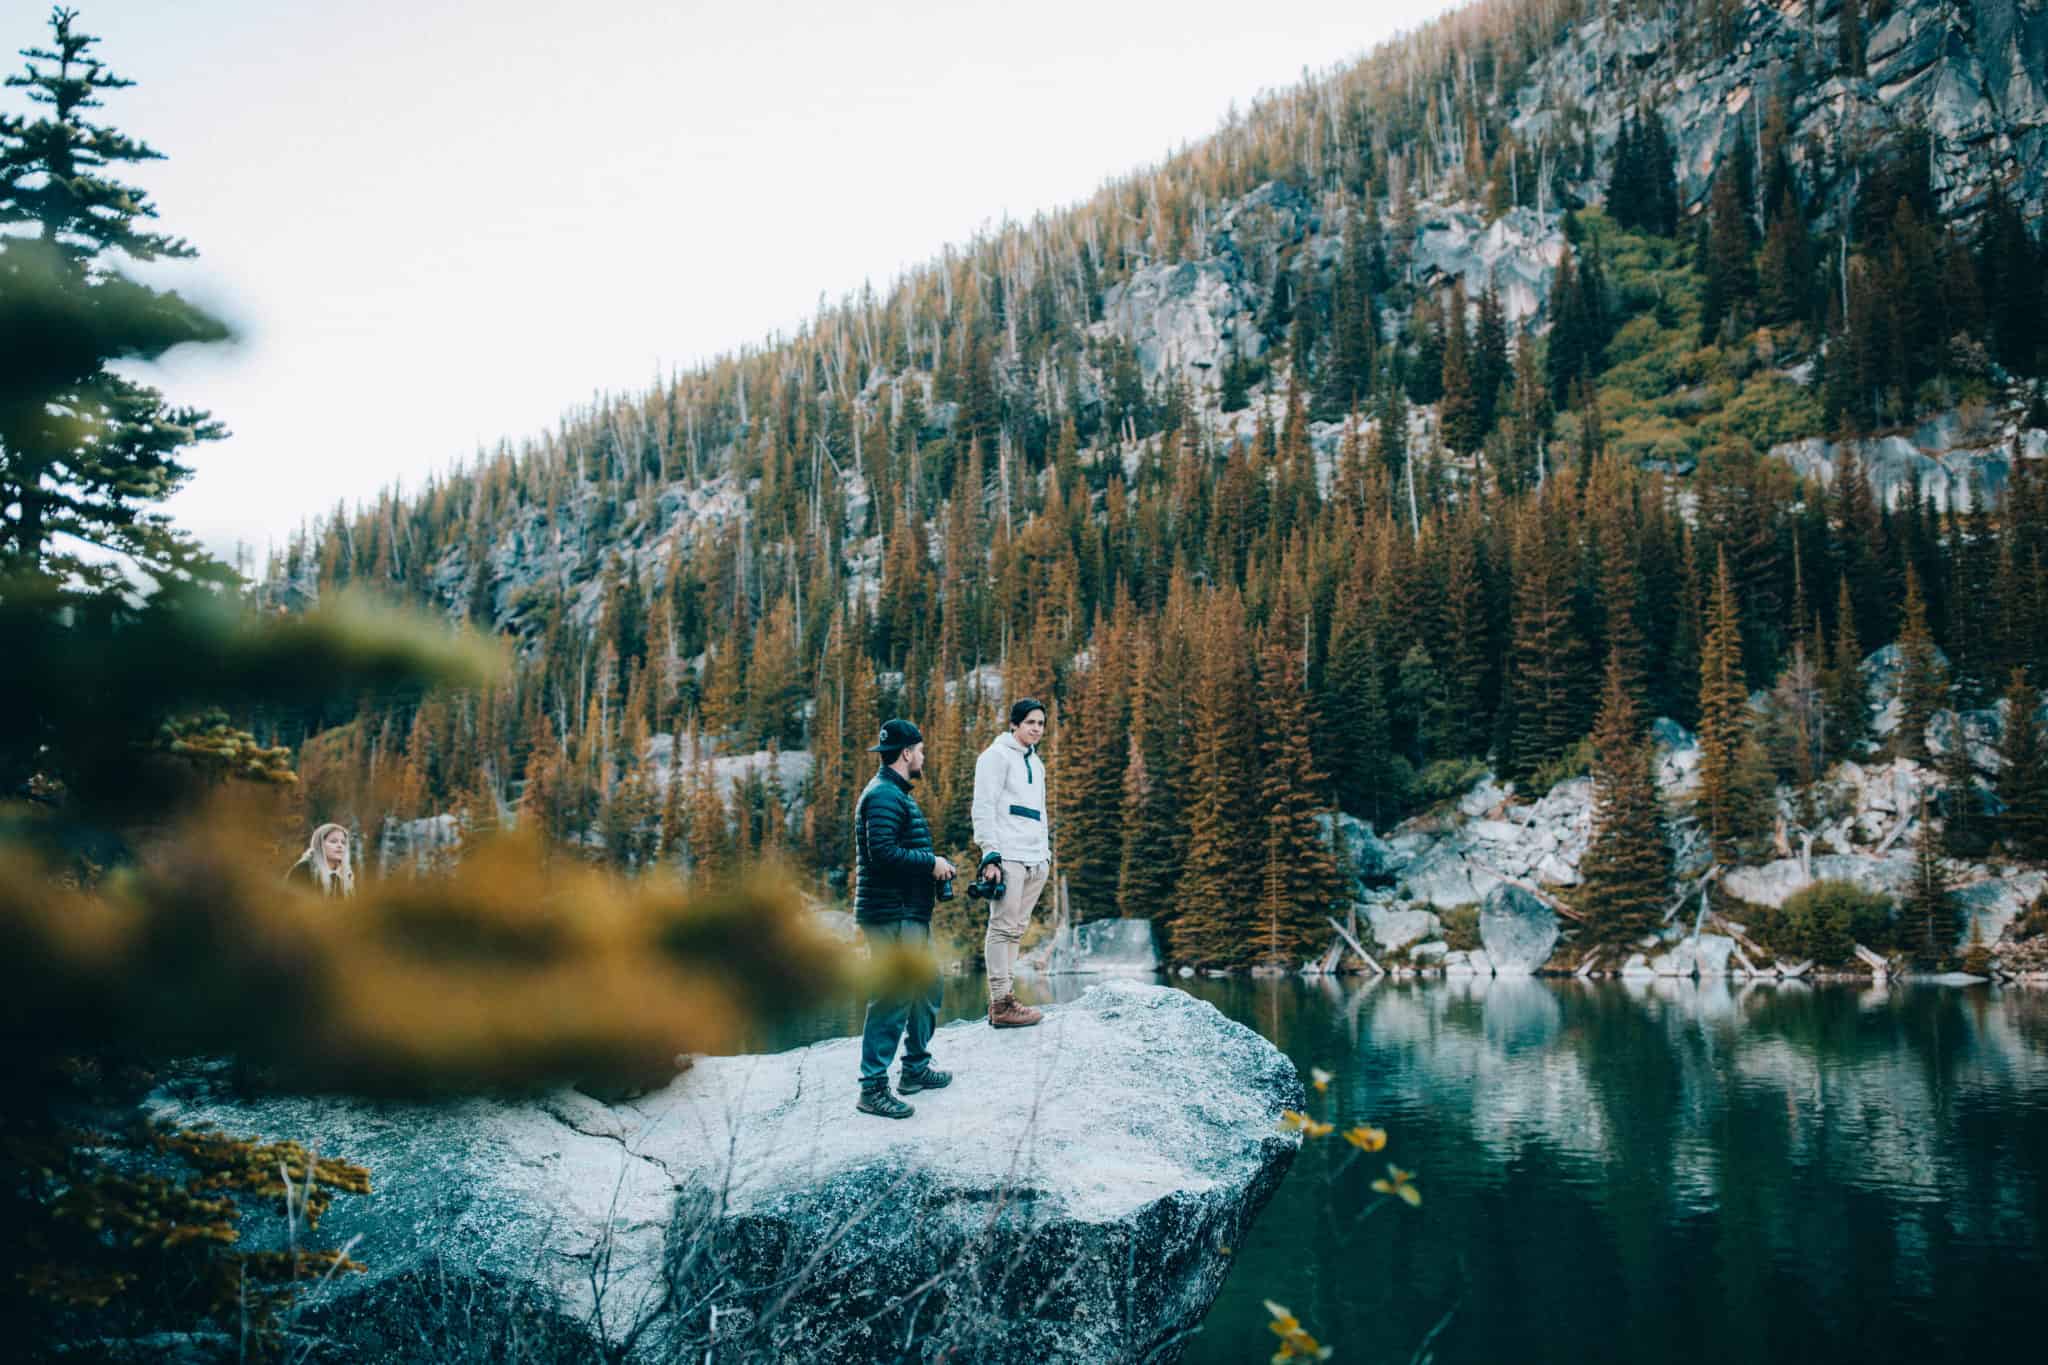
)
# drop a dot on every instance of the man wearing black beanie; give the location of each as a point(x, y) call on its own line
point(895, 876)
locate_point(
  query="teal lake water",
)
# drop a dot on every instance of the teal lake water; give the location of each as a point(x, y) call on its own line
point(1660, 1171)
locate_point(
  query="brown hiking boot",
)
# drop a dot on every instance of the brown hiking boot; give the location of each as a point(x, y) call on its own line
point(1005, 1012)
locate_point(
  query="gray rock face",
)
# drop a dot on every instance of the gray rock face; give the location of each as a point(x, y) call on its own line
point(1135, 1128)
point(1395, 929)
point(1104, 945)
point(1517, 930)
point(1970, 71)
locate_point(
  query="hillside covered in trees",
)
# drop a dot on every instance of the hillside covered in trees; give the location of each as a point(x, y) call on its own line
point(1561, 366)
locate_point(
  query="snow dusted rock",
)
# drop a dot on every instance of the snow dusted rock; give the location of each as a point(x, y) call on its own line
point(1473, 963)
point(1432, 951)
point(1395, 929)
point(1135, 1127)
point(1637, 965)
point(1518, 931)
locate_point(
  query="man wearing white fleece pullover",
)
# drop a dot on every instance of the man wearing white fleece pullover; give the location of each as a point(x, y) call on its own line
point(1016, 848)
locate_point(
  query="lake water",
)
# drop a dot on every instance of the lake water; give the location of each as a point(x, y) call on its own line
point(1659, 1171)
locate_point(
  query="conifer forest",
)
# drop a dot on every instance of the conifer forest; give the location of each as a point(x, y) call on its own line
point(1401, 525)
point(1564, 493)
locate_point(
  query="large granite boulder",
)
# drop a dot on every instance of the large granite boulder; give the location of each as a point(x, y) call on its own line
point(1517, 930)
point(1064, 1200)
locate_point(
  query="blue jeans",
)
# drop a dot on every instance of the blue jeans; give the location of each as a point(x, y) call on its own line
point(909, 1019)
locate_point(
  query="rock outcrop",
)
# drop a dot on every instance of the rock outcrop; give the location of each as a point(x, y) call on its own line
point(1064, 1200)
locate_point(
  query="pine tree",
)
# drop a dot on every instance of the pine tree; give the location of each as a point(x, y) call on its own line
point(1627, 866)
point(1724, 721)
point(1548, 655)
point(1219, 878)
point(1298, 883)
point(2023, 771)
point(84, 450)
point(1149, 808)
point(1923, 679)
point(1929, 922)
point(1729, 277)
point(1458, 411)
point(1847, 699)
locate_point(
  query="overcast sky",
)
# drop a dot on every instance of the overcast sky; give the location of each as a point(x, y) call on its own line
point(444, 222)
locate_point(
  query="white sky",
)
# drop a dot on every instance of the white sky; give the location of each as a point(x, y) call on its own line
point(443, 222)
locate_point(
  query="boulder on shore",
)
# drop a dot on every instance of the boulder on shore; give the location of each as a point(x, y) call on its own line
point(1064, 1199)
point(1517, 930)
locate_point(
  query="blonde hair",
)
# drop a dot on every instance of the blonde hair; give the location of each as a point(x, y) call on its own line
point(332, 881)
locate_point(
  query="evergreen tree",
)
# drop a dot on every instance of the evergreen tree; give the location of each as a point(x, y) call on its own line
point(2023, 771)
point(1220, 874)
point(1848, 699)
point(1730, 280)
point(1929, 921)
point(1724, 721)
point(1548, 653)
point(1627, 866)
point(1298, 884)
point(1458, 412)
point(84, 450)
point(1923, 680)
point(1094, 746)
point(1149, 809)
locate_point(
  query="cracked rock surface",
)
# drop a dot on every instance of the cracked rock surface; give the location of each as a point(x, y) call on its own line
point(1064, 1200)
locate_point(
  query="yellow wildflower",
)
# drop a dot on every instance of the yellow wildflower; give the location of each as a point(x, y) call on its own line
point(1366, 1139)
point(1320, 1079)
point(1398, 1182)
point(1295, 1342)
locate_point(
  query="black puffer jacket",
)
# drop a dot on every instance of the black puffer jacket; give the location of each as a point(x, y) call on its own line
point(892, 854)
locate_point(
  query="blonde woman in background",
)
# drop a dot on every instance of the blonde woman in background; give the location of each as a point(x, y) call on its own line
point(324, 866)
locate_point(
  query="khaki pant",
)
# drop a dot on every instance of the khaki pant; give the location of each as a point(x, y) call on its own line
point(1008, 917)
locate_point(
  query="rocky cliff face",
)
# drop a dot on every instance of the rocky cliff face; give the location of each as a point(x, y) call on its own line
point(1969, 71)
point(1063, 1201)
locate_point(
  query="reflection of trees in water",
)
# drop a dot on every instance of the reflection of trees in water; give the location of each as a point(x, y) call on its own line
point(1679, 1170)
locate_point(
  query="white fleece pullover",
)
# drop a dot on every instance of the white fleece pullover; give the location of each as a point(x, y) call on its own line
point(1009, 781)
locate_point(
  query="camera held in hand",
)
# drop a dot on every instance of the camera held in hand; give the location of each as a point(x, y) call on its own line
point(983, 887)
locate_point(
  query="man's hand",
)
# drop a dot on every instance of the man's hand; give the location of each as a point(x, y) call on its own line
point(992, 873)
point(942, 871)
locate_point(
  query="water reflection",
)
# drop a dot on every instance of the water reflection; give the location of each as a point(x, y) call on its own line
point(1665, 1170)
point(1648, 1170)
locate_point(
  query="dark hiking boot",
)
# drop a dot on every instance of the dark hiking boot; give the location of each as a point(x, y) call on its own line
point(1005, 1012)
point(878, 1101)
point(931, 1078)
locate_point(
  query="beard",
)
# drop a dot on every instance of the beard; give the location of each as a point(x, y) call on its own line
point(914, 773)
